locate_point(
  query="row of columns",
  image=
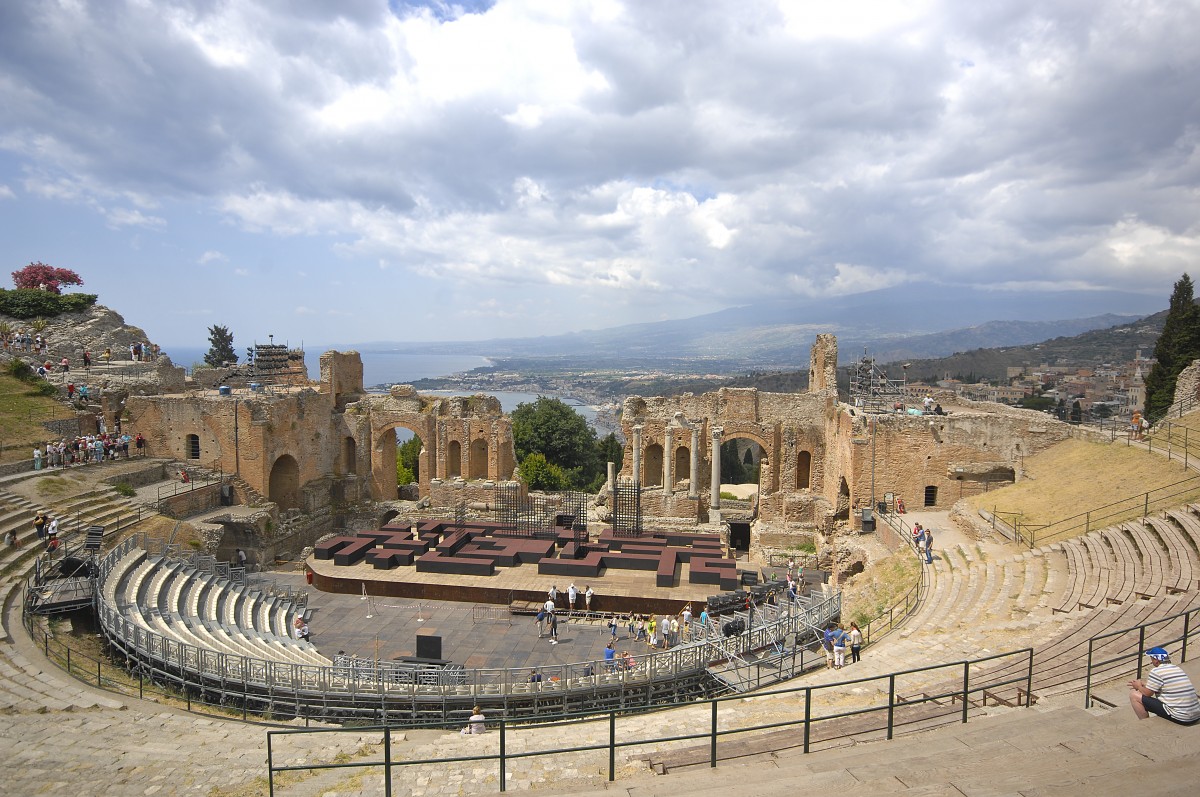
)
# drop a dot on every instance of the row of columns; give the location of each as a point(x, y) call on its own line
point(669, 462)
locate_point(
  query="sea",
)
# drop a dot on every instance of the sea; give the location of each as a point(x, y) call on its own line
point(384, 367)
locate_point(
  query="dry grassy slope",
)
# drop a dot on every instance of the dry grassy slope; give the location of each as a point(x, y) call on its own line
point(1074, 477)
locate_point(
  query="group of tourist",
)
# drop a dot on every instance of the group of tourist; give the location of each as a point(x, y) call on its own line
point(1138, 426)
point(573, 596)
point(835, 641)
point(923, 542)
point(46, 529)
point(86, 449)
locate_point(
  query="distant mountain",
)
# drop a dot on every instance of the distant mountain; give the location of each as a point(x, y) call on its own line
point(912, 321)
point(1115, 344)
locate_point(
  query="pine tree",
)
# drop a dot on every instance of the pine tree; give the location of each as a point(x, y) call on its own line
point(220, 347)
point(1177, 346)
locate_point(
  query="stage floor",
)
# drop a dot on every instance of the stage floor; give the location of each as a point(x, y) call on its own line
point(490, 638)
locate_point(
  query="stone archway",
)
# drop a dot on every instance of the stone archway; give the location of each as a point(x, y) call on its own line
point(284, 483)
point(348, 462)
point(477, 467)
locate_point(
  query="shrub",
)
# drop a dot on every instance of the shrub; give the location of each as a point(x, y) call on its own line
point(43, 388)
point(25, 303)
point(19, 369)
point(125, 489)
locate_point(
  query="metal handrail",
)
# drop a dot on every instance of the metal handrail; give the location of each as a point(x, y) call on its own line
point(1136, 655)
point(629, 738)
point(1034, 534)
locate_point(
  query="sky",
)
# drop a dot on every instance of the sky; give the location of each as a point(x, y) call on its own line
point(364, 170)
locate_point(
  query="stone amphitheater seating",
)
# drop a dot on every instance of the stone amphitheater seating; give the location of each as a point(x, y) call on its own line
point(174, 599)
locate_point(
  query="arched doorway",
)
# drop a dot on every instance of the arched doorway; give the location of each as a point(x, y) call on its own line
point(284, 487)
point(453, 460)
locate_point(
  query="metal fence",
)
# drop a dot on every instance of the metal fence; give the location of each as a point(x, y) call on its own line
point(965, 684)
point(341, 692)
point(1032, 535)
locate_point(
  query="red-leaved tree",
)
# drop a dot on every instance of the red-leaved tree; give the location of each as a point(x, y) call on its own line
point(39, 276)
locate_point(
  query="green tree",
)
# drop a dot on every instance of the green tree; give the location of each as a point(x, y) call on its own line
point(1076, 413)
point(408, 460)
point(1177, 346)
point(1039, 403)
point(609, 449)
point(540, 474)
point(551, 428)
point(732, 469)
point(220, 347)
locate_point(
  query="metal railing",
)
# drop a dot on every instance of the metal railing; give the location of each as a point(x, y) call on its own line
point(364, 691)
point(206, 479)
point(968, 683)
point(1033, 534)
point(1167, 634)
point(902, 609)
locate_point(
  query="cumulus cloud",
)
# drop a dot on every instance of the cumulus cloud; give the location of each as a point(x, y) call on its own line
point(212, 256)
point(609, 150)
point(6, 192)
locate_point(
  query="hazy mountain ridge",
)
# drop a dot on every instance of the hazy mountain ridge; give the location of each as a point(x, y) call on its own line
point(909, 322)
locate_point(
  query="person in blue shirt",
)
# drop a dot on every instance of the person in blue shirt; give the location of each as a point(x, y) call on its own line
point(610, 656)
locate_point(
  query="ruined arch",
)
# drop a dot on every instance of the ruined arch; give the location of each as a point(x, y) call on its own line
point(284, 483)
point(453, 460)
point(383, 456)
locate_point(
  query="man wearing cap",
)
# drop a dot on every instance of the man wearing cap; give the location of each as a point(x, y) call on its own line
point(1167, 692)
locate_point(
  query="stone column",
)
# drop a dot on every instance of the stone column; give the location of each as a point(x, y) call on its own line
point(668, 461)
point(637, 455)
point(715, 499)
point(694, 476)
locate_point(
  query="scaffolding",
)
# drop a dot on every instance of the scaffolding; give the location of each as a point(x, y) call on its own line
point(627, 508)
point(870, 388)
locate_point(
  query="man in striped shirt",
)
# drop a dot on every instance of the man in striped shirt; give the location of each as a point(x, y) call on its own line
point(1166, 691)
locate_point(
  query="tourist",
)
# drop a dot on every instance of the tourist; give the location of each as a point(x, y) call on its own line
point(587, 597)
point(827, 646)
point(918, 535)
point(839, 647)
point(535, 677)
point(51, 544)
point(855, 643)
point(1135, 426)
point(674, 631)
point(687, 620)
point(704, 621)
point(572, 594)
point(10, 539)
point(553, 618)
point(548, 606)
point(301, 629)
point(627, 657)
point(541, 622)
point(641, 629)
point(928, 546)
point(552, 594)
point(52, 527)
point(37, 458)
point(474, 722)
point(632, 622)
point(652, 630)
point(87, 359)
point(610, 655)
point(1166, 691)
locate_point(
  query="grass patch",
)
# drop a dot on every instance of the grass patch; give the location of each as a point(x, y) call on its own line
point(1074, 477)
point(23, 409)
point(872, 592)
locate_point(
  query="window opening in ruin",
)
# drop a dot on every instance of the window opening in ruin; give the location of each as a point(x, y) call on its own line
point(408, 457)
point(652, 468)
point(192, 446)
point(803, 470)
point(453, 460)
point(930, 495)
point(348, 465)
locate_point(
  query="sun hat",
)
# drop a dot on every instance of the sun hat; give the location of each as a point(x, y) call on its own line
point(1159, 654)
